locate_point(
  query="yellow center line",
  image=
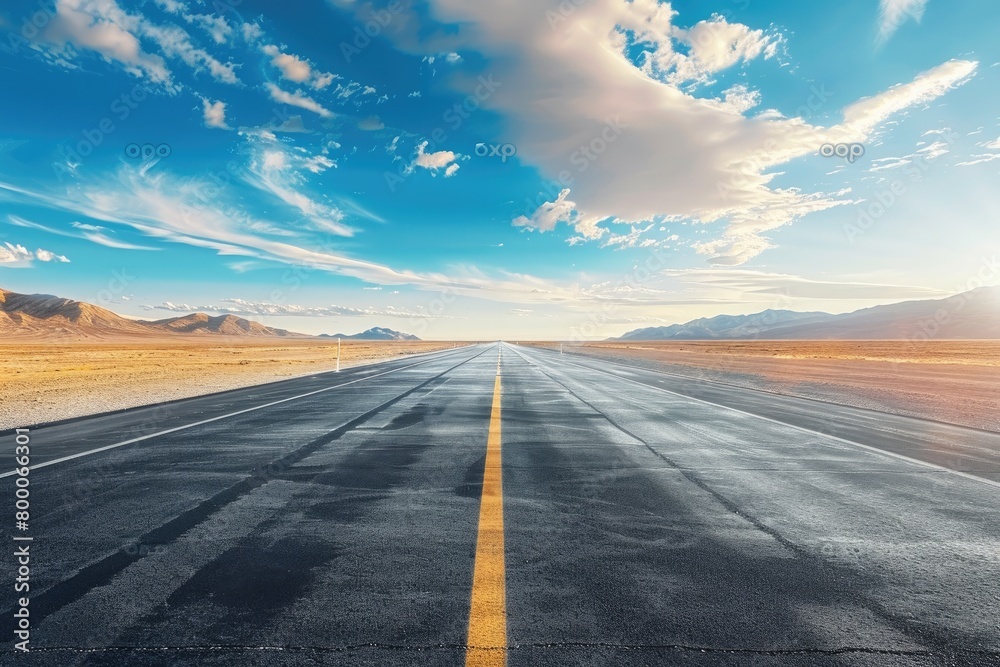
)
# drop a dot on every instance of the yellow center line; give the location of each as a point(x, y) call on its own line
point(487, 640)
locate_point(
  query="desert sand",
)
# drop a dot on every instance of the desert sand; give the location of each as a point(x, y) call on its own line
point(950, 381)
point(46, 381)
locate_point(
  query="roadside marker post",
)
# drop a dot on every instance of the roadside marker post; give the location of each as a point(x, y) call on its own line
point(338, 354)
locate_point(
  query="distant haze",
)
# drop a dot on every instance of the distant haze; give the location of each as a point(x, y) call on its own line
point(970, 315)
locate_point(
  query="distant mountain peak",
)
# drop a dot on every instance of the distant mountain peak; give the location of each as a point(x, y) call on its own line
point(970, 315)
point(376, 333)
point(47, 315)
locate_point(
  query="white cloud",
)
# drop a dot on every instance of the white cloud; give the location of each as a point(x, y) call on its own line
point(251, 32)
point(297, 99)
point(297, 69)
point(739, 99)
point(172, 6)
point(11, 253)
point(885, 163)
point(276, 171)
point(88, 227)
point(921, 155)
point(893, 13)
point(322, 80)
point(47, 256)
point(983, 158)
point(216, 26)
point(215, 113)
point(104, 240)
point(433, 161)
point(979, 159)
point(865, 115)
point(101, 26)
point(371, 124)
point(632, 239)
point(451, 170)
point(714, 45)
point(192, 211)
point(934, 150)
point(346, 91)
point(549, 214)
point(292, 67)
point(317, 164)
point(92, 233)
point(676, 154)
point(175, 42)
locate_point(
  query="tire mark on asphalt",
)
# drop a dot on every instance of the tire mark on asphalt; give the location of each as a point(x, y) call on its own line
point(920, 636)
point(101, 572)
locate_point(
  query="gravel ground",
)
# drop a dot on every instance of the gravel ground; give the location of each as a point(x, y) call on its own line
point(948, 381)
point(45, 382)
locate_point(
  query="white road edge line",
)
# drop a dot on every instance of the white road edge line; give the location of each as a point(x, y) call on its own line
point(215, 419)
point(731, 385)
point(876, 450)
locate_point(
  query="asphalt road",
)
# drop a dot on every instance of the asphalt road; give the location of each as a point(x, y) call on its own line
point(418, 512)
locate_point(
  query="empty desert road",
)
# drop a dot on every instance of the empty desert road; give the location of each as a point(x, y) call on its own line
point(500, 504)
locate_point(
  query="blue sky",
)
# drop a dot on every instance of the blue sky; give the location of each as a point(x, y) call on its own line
point(527, 169)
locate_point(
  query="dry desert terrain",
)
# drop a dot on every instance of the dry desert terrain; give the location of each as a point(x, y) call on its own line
point(945, 380)
point(47, 381)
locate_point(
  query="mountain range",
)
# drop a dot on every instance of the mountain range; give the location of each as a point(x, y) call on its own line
point(969, 315)
point(43, 316)
point(375, 333)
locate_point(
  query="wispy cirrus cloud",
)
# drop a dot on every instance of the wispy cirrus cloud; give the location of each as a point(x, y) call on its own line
point(164, 206)
point(278, 172)
point(743, 282)
point(894, 13)
point(93, 233)
point(297, 99)
point(104, 28)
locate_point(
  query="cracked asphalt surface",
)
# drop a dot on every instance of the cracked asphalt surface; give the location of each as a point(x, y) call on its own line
point(648, 520)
